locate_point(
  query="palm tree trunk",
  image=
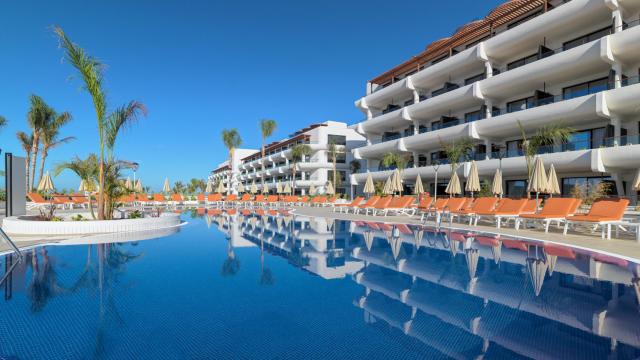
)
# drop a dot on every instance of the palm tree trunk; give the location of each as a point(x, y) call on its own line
point(43, 157)
point(334, 175)
point(34, 156)
point(93, 216)
point(262, 160)
point(101, 185)
point(27, 162)
point(293, 183)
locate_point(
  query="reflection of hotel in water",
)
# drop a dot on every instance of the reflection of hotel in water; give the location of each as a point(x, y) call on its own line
point(317, 245)
point(586, 308)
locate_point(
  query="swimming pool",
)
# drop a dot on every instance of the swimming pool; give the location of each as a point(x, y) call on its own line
point(233, 286)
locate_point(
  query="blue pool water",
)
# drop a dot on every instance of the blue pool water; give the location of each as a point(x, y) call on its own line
point(242, 287)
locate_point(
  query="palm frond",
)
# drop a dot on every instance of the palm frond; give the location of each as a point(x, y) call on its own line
point(90, 70)
point(231, 138)
point(3, 121)
point(267, 127)
point(121, 117)
point(25, 141)
point(57, 143)
point(299, 151)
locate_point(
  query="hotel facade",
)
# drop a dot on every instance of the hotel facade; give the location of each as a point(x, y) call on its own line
point(315, 169)
point(528, 63)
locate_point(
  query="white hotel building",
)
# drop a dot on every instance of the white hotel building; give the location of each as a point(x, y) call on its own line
point(536, 62)
point(315, 169)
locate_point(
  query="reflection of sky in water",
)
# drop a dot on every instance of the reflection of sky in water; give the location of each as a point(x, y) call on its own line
point(259, 287)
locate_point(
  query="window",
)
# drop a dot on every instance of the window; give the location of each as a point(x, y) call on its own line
point(391, 108)
point(422, 160)
point(586, 38)
point(438, 157)
point(390, 136)
point(408, 102)
point(520, 62)
point(342, 176)
point(516, 188)
point(587, 185)
point(446, 88)
point(341, 158)
point(586, 88)
point(521, 104)
point(475, 78)
point(514, 148)
point(474, 116)
point(445, 122)
point(409, 131)
point(337, 139)
point(586, 139)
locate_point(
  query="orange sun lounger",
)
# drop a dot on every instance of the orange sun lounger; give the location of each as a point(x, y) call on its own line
point(554, 209)
point(603, 212)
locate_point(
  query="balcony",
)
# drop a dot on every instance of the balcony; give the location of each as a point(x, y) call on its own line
point(569, 65)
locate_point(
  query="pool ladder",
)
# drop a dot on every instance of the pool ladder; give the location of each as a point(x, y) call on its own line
point(446, 210)
point(17, 251)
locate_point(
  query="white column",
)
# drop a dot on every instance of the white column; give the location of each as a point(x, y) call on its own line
point(487, 145)
point(617, 79)
point(617, 20)
point(488, 69)
point(416, 96)
point(416, 127)
point(617, 177)
point(617, 129)
point(415, 159)
point(488, 104)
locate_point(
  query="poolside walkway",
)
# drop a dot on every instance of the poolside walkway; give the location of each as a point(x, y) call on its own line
point(626, 248)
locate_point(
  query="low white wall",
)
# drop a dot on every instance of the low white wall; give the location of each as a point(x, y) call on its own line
point(26, 225)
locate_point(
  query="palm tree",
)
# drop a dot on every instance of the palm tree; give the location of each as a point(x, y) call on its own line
point(267, 127)
point(38, 117)
point(457, 150)
point(50, 137)
point(298, 153)
point(231, 265)
point(3, 121)
point(114, 186)
point(354, 167)
point(178, 187)
point(87, 170)
point(109, 125)
point(231, 139)
point(333, 152)
point(394, 159)
point(547, 135)
point(26, 141)
point(195, 185)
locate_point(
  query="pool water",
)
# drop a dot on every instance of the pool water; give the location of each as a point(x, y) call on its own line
point(283, 287)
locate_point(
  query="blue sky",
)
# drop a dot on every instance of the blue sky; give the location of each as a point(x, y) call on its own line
point(201, 66)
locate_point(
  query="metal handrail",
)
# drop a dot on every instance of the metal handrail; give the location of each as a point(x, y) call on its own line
point(16, 250)
point(445, 209)
point(426, 218)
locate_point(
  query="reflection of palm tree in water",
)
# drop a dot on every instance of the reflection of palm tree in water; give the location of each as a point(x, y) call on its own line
point(44, 284)
point(266, 276)
point(111, 262)
point(231, 265)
